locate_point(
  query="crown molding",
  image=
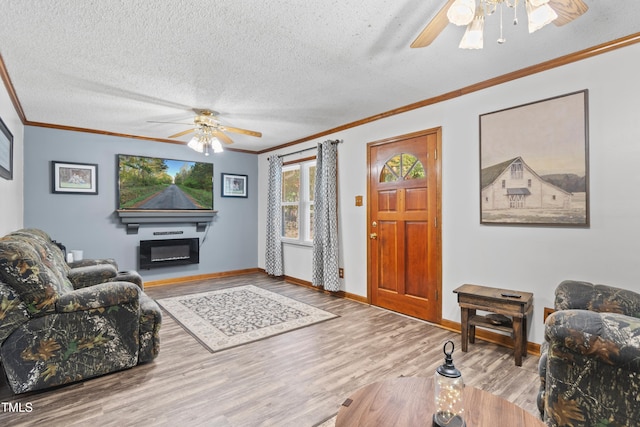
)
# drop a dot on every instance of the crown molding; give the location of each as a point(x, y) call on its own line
point(524, 72)
point(527, 71)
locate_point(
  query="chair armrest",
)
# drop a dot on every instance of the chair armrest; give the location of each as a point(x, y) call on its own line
point(82, 277)
point(99, 296)
point(611, 338)
point(87, 262)
point(571, 294)
point(542, 373)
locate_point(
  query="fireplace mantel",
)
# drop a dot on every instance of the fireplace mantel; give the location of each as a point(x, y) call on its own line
point(133, 218)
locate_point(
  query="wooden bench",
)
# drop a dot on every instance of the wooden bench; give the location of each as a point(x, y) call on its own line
point(517, 305)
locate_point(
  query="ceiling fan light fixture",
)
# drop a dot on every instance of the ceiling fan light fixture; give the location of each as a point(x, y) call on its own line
point(462, 12)
point(216, 145)
point(205, 142)
point(473, 36)
point(539, 16)
point(196, 145)
point(537, 3)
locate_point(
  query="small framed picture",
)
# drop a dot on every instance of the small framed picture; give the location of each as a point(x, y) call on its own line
point(74, 178)
point(234, 185)
point(6, 152)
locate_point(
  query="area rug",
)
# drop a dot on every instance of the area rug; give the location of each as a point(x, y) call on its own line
point(231, 317)
point(329, 422)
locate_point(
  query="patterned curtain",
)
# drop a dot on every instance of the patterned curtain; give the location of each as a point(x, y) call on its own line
point(273, 255)
point(325, 230)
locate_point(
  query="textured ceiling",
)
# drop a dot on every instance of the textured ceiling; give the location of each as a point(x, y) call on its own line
point(288, 69)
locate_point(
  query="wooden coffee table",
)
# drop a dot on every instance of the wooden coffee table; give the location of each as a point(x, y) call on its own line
point(409, 401)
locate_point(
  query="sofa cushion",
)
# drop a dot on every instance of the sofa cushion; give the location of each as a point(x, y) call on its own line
point(573, 294)
point(38, 282)
point(49, 251)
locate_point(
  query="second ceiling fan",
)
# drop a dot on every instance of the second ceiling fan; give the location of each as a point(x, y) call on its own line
point(566, 11)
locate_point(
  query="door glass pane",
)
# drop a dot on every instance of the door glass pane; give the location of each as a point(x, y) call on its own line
point(394, 164)
point(387, 175)
point(417, 171)
point(408, 160)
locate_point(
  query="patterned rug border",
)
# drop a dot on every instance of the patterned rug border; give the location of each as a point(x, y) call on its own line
point(215, 341)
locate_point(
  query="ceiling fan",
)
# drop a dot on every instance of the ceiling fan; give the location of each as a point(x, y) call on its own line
point(566, 10)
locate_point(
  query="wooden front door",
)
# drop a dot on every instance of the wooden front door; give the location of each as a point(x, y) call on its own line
point(404, 238)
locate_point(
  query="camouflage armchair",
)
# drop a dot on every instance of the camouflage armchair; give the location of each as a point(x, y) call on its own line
point(59, 326)
point(87, 272)
point(590, 361)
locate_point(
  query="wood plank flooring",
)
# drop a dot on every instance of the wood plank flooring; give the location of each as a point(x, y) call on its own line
point(296, 379)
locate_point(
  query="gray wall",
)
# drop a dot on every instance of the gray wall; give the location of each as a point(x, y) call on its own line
point(90, 222)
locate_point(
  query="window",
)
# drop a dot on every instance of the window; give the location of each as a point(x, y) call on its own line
point(402, 166)
point(298, 184)
point(516, 170)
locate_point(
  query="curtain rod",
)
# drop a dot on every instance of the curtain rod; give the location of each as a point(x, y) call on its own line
point(337, 141)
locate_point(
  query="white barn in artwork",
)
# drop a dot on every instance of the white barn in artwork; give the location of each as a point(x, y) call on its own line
point(514, 185)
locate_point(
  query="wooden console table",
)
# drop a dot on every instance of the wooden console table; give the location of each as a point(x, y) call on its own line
point(409, 402)
point(516, 304)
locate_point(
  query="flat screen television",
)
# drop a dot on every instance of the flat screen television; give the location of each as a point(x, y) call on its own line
point(153, 183)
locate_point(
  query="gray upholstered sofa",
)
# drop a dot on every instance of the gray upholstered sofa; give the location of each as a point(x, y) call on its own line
point(590, 361)
point(60, 324)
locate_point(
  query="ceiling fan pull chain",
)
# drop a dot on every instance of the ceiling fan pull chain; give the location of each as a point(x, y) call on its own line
point(501, 40)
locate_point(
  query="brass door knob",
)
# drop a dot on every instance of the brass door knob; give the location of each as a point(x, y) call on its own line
point(373, 236)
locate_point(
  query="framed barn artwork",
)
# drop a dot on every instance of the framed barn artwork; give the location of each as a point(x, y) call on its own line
point(534, 163)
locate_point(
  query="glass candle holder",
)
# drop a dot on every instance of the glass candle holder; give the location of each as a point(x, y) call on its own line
point(449, 388)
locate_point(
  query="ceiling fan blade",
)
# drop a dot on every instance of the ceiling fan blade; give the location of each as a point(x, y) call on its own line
point(222, 137)
point(567, 10)
point(244, 131)
point(433, 28)
point(171, 123)
point(184, 132)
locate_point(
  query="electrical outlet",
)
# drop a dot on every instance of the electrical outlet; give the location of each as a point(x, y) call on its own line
point(341, 273)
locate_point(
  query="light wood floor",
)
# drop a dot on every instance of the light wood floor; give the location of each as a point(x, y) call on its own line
point(296, 379)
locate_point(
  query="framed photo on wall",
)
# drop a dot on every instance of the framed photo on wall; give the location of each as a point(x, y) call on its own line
point(234, 185)
point(6, 152)
point(534, 163)
point(74, 178)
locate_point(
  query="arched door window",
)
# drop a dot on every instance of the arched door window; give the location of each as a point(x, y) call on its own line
point(401, 167)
